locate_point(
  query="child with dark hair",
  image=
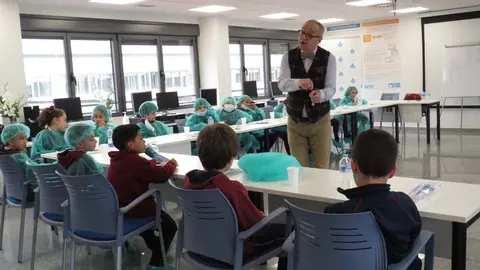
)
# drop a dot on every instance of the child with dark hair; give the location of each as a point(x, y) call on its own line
point(130, 175)
point(51, 139)
point(374, 156)
point(217, 147)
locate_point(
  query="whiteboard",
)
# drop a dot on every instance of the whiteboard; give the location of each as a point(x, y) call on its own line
point(348, 53)
point(461, 71)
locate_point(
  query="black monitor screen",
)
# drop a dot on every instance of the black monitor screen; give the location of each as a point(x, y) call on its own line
point(210, 95)
point(139, 98)
point(167, 101)
point(250, 89)
point(275, 90)
point(71, 106)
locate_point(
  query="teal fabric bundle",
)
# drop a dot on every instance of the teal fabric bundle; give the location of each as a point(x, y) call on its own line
point(267, 167)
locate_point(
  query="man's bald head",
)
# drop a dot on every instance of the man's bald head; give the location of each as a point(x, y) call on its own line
point(318, 26)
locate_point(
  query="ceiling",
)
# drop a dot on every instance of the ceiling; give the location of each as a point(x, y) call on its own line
point(247, 14)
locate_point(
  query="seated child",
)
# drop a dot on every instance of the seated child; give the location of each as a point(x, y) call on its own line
point(130, 175)
point(148, 125)
point(281, 131)
point(216, 161)
point(246, 104)
point(335, 123)
point(101, 117)
point(80, 139)
point(231, 116)
point(374, 156)
point(351, 99)
point(14, 139)
point(203, 112)
point(51, 139)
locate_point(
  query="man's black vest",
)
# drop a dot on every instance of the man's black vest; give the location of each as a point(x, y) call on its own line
point(297, 100)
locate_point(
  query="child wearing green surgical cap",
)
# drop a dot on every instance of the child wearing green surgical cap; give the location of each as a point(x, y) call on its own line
point(148, 125)
point(350, 99)
point(80, 139)
point(203, 112)
point(231, 116)
point(101, 117)
point(14, 138)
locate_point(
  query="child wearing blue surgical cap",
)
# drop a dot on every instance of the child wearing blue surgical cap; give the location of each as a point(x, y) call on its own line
point(101, 117)
point(203, 111)
point(80, 139)
point(14, 138)
point(148, 125)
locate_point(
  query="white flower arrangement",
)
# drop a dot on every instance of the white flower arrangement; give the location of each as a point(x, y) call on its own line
point(10, 107)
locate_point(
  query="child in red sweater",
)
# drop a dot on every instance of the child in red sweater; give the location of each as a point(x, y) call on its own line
point(130, 175)
point(217, 147)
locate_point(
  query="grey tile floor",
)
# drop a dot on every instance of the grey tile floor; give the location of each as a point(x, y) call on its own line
point(456, 158)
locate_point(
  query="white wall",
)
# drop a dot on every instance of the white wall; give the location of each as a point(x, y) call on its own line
point(410, 49)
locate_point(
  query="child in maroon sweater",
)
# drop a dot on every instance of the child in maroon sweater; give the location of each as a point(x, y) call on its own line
point(217, 147)
point(130, 175)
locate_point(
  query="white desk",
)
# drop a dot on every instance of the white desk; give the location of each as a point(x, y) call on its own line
point(449, 212)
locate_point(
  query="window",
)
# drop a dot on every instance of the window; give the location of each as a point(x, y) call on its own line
point(235, 66)
point(276, 53)
point(45, 70)
point(139, 63)
point(92, 66)
point(178, 64)
point(254, 62)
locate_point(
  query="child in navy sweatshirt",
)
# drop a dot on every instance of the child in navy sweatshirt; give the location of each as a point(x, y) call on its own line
point(374, 156)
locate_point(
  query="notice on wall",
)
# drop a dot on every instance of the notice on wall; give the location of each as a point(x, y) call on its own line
point(381, 58)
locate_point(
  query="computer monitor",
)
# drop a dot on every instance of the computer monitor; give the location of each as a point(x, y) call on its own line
point(210, 95)
point(167, 101)
point(275, 90)
point(71, 106)
point(250, 88)
point(139, 98)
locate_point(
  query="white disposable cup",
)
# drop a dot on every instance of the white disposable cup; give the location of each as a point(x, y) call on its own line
point(186, 130)
point(293, 175)
point(272, 115)
point(244, 120)
point(98, 142)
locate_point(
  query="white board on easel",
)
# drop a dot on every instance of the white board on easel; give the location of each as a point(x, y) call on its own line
point(461, 71)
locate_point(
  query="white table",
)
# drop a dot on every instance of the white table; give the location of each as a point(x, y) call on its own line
point(449, 211)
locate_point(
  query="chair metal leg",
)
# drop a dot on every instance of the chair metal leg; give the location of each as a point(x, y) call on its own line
point(64, 254)
point(72, 257)
point(418, 132)
point(22, 231)
point(119, 258)
point(34, 243)
point(162, 247)
point(2, 222)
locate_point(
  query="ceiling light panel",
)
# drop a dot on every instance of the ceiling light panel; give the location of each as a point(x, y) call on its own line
point(365, 3)
point(279, 16)
point(212, 9)
point(330, 20)
point(117, 2)
point(410, 10)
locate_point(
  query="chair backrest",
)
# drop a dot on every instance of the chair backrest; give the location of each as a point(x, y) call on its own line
point(337, 241)
point(267, 110)
point(390, 96)
point(93, 203)
point(209, 223)
point(336, 101)
point(13, 176)
point(180, 124)
point(52, 189)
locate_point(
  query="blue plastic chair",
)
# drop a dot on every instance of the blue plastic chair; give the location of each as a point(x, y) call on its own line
point(209, 229)
point(15, 192)
point(94, 218)
point(49, 196)
point(345, 241)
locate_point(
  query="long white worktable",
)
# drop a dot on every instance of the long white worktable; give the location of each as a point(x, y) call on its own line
point(448, 212)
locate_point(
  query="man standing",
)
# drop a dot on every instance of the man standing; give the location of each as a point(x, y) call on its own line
point(308, 74)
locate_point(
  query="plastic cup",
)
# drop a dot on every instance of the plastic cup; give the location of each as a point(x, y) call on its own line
point(244, 120)
point(293, 175)
point(186, 130)
point(98, 142)
point(272, 115)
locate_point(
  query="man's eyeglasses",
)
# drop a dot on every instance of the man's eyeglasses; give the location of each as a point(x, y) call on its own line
point(307, 35)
